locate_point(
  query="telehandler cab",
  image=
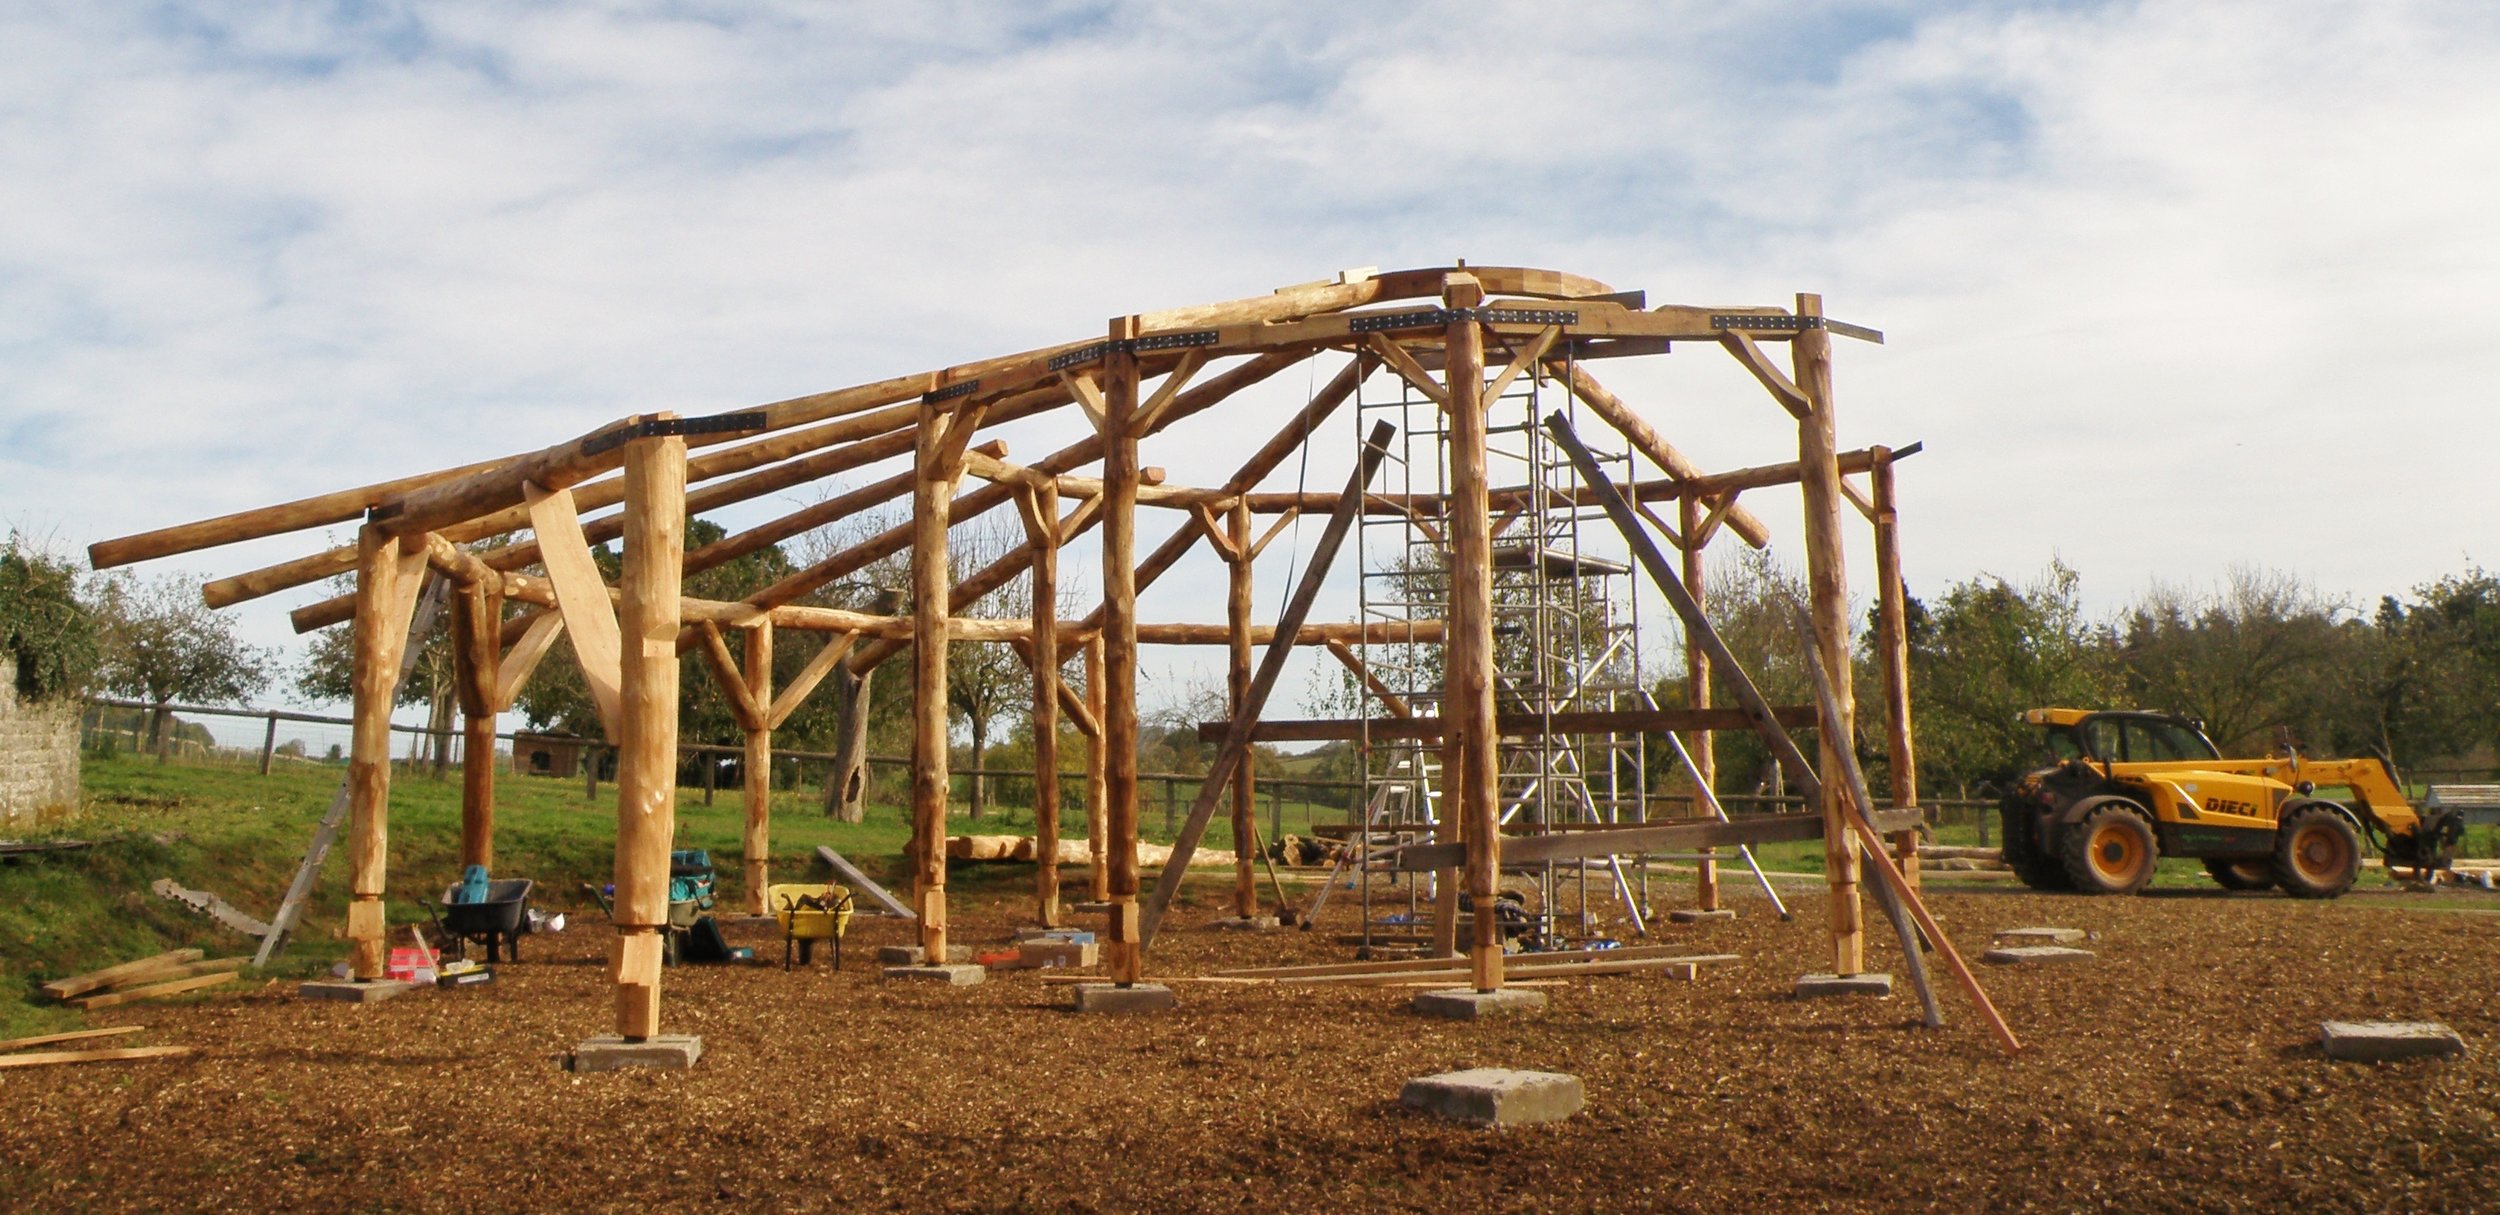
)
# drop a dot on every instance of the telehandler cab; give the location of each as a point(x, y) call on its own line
point(2129, 788)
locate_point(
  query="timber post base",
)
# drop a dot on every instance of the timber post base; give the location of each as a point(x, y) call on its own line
point(610, 1053)
point(913, 955)
point(1862, 984)
point(1113, 998)
point(1695, 915)
point(1467, 1004)
point(1492, 1096)
point(959, 974)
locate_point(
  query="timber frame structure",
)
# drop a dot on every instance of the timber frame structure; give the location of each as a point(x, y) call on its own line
point(1460, 336)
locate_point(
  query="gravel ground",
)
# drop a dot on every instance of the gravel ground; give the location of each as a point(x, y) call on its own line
point(2178, 1071)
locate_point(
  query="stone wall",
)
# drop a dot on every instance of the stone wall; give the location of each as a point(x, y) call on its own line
point(38, 756)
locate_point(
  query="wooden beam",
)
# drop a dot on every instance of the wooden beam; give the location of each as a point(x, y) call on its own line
point(1646, 440)
point(1041, 531)
point(646, 724)
point(933, 495)
point(1530, 849)
point(1472, 772)
point(743, 706)
point(809, 676)
point(1235, 541)
point(320, 510)
point(1353, 662)
point(1087, 393)
point(381, 635)
point(583, 597)
point(1150, 415)
point(78, 985)
point(1123, 942)
point(1526, 357)
point(1271, 665)
point(46, 1058)
point(514, 672)
point(1827, 584)
point(1791, 398)
point(1892, 656)
point(476, 631)
point(1702, 747)
point(1097, 780)
point(1402, 362)
point(756, 770)
point(1509, 725)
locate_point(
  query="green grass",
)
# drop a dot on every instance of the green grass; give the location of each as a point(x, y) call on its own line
point(240, 835)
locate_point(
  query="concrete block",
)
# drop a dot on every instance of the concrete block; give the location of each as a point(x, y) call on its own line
point(1246, 923)
point(1694, 915)
point(1113, 998)
point(2034, 955)
point(959, 974)
point(1492, 1096)
point(2040, 936)
point(1090, 908)
point(1810, 986)
point(1037, 933)
point(1387, 953)
point(1050, 952)
point(609, 1053)
point(2384, 1041)
point(348, 991)
point(909, 955)
point(1467, 1004)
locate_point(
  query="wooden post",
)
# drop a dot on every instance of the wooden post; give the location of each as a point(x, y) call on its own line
point(1827, 577)
point(1892, 650)
point(1237, 608)
point(1097, 783)
point(933, 498)
point(477, 622)
point(380, 621)
point(1119, 647)
point(269, 744)
point(1043, 531)
point(1467, 687)
point(1691, 519)
point(757, 768)
point(648, 621)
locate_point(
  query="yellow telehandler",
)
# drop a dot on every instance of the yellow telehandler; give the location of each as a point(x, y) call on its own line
point(2131, 787)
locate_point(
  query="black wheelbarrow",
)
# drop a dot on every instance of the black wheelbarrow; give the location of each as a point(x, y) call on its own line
point(497, 922)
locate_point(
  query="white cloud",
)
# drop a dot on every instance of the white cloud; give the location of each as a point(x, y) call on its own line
point(2169, 285)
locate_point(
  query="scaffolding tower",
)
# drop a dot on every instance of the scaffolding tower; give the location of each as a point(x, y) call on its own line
point(1565, 636)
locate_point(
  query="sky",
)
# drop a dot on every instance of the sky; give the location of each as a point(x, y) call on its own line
point(2167, 287)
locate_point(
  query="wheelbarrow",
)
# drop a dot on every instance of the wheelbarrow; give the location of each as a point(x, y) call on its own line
point(809, 914)
point(496, 922)
point(682, 915)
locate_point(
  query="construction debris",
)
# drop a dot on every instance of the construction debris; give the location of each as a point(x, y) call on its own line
point(159, 990)
point(45, 1057)
point(127, 972)
point(75, 1035)
point(211, 906)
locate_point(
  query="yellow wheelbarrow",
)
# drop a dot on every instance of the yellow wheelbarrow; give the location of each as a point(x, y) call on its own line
point(809, 914)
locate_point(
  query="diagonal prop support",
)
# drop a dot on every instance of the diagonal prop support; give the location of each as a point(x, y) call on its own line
point(1272, 664)
point(1698, 631)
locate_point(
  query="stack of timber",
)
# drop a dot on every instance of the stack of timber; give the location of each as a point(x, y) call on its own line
point(1952, 857)
point(9, 1056)
point(166, 974)
point(1071, 852)
point(1560, 965)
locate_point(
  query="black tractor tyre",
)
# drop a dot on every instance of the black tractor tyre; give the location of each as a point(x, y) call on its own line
point(2023, 855)
point(2112, 851)
point(2241, 875)
point(2317, 854)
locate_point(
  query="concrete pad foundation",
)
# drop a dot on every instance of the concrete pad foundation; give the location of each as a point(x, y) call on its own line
point(2034, 955)
point(347, 991)
point(1246, 923)
point(1466, 1004)
point(1490, 1096)
point(959, 974)
point(1695, 915)
point(2041, 936)
point(609, 1053)
point(909, 955)
point(1113, 998)
point(2386, 1041)
point(1811, 986)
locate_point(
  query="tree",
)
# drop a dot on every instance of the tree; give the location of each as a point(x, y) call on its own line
point(2246, 658)
point(1987, 650)
point(49, 634)
point(160, 644)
